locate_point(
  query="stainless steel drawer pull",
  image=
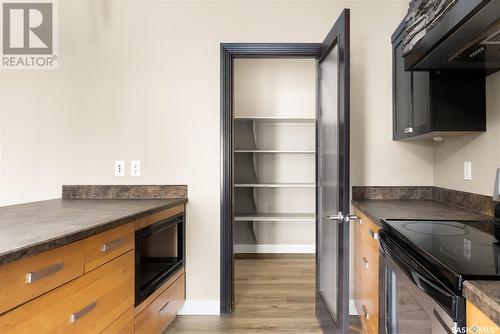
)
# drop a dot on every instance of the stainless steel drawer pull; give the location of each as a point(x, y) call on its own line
point(374, 235)
point(409, 130)
point(110, 245)
point(164, 310)
point(365, 262)
point(42, 273)
point(365, 312)
point(77, 315)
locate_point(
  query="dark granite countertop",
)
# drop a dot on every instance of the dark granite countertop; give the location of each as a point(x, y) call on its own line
point(485, 295)
point(31, 228)
point(377, 210)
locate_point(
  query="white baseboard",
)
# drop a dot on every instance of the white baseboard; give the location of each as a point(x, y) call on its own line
point(200, 307)
point(352, 308)
point(272, 248)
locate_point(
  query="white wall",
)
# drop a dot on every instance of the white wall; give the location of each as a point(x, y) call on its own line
point(140, 80)
point(482, 150)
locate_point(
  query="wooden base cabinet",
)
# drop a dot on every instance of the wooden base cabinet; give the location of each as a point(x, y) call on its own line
point(479, 322)
point(160, 312)
point(366, 272)
point(87, 304)
point(87, 287)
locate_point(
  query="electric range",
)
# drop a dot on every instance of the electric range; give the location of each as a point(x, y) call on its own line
point(423, 266)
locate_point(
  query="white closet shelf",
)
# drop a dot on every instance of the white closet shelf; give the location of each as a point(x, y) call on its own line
point(274, 185)
point(276, 119)
point(276, 151)
point(275, 217)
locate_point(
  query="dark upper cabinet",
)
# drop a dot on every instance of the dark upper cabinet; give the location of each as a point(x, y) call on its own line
point(435, 103)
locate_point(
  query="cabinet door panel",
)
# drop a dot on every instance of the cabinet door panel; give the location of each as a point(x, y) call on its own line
point(421, 122)
point(401, 92)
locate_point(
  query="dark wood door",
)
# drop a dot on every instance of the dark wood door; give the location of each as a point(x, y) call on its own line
point(401, 83)
point(332, 222)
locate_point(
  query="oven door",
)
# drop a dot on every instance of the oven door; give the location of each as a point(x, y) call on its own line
point(411, 299)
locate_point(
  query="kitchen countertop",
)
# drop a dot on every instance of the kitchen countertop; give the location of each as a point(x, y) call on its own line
point(377, 210)
point(31, 228)
point(485, 295)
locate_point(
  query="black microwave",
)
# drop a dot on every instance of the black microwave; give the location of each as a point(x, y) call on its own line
point(159, 253)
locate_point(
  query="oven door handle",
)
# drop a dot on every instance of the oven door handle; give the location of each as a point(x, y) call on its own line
point(427, 286)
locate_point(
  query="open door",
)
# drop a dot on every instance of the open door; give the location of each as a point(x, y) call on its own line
point(332, 220)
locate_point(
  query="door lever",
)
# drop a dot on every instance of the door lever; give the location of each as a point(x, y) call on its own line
point(340, 218)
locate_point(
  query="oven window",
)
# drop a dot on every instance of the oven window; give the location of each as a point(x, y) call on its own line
point(404, 313)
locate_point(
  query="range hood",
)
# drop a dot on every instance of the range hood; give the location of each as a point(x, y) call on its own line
point(453, 34)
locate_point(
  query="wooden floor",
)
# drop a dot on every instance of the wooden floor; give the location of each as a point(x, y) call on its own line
point(273, 295)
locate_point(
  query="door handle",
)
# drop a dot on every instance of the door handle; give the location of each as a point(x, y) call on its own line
point(77, 315)
point(365, 312)
point(42, 273)
point(373, 234)
point(164, 309)
point(110, 245)
point(365, 262)
point(340, 218)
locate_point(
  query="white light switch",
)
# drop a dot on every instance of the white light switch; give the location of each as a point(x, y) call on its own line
point(119, 168)
point(467, 171)
point(135, 168)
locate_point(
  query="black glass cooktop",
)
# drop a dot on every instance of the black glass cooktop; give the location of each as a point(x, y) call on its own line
point(458, 250)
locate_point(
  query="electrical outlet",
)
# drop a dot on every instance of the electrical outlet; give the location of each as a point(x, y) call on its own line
point(135, 168)
point(119, 168)
point(467, 171)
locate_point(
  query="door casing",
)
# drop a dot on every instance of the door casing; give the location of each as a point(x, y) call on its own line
point(229, 52)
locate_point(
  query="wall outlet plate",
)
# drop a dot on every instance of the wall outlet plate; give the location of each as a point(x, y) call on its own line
point(467, 171)
point(135, 168)
point(119, 167)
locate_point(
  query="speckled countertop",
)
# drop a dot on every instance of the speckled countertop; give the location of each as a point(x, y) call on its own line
point(377, 210)
point(485, 295)
point(31, 228)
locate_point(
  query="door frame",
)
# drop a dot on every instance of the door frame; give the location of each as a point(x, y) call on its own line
point(229, 52)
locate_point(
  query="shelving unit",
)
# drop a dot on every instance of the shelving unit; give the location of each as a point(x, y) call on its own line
point(274, 155)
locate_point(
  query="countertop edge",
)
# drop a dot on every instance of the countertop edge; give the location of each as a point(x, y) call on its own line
point(42, 246)
point(482, 301)
point(359, 207)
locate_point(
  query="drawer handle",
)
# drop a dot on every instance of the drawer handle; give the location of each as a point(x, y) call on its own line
point(110, 245)
point(365, 312)
point(163, 310)
point(42, 273)
point(360, 221)
point(374, 235)
point(77, 315)
point(365, 262)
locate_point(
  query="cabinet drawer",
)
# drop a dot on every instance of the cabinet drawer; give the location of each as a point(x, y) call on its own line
point(366, 303)
point(123, 325)
point(87, 304)
point(162, 311)
point(105, 246)
point(365, 259)
point(31, 277)
point(367, 228)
